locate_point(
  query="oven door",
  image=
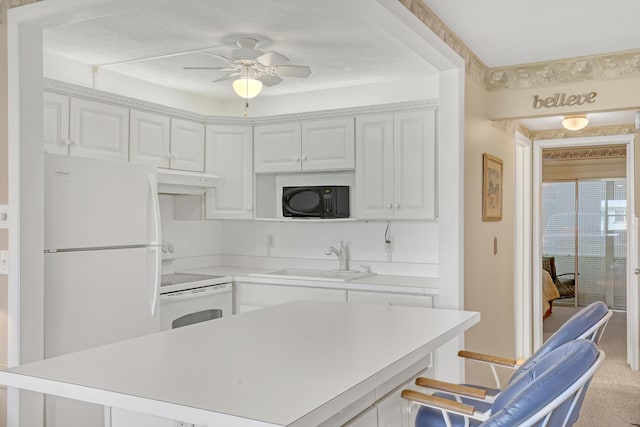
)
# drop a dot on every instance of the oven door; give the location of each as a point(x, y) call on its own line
point(175, 305)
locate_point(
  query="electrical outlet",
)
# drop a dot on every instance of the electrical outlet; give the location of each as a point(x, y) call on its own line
point(270, 241)
point(388, 245)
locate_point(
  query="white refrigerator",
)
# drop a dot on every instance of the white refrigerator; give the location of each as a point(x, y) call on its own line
point(102, 263)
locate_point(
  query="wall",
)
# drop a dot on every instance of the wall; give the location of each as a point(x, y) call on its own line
point(489, 278)
point(4, 235)
point(304, 244)
point(196, 243)
point(202, 243)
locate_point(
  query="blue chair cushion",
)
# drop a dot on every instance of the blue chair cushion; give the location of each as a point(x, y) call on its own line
point(573, 328)
point(540, 385)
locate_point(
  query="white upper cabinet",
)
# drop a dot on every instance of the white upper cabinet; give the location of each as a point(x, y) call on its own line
point(230, 156)
point(414, 158)
point(277, 148)
point(150, 138)
point(395, 173)
point(328, 145)
point(56, 123)
point(318, 145)
point(98, 130)
point(187, 145)
point(374, 167)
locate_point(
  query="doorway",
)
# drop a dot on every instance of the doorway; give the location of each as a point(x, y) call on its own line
point(631, 224)
point(584, 238)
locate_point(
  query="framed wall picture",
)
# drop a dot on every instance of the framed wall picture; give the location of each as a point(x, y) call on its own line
point(492, 188)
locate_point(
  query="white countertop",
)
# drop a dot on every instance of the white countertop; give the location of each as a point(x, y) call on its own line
point(375, 283)
point(288, 365)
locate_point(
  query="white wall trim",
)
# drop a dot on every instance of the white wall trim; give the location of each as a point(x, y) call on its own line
point(633, 306)
point(633, 326)
point(523, 238)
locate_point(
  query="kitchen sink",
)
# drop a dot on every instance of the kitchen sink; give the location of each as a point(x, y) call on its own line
point(313, 274)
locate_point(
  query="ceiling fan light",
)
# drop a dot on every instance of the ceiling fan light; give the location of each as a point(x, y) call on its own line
point(575, 122)
point(247, 88)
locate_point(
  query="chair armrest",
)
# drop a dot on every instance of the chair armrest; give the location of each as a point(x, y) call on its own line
point(567, 274)
point(462, 390)
point(438, 402)
point(487, 358)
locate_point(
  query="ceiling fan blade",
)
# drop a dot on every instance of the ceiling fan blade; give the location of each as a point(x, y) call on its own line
point(223, 58)
point(292, 71)
point(272, 59)
point(269, 80)
point(227, 77)
point(209, 68)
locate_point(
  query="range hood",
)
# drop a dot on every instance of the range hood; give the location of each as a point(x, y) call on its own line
point(184, 182)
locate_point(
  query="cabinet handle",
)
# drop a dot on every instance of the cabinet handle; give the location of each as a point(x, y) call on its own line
point(66, 142)
point(297, 159)
point(397, 205)
point(249, 207)
point(304, 158)
point(389, 205)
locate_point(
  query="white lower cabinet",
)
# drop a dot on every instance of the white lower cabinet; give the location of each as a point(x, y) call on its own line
point(124, 418)
point(392, 410)
point(390, 298)
point(368, 418)
point(250, 296)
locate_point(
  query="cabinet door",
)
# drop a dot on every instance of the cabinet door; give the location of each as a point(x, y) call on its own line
point(149, 138)
point(229, 155)
point(328, 144)
point(98, 130)
point(414, 165)
point(55, 111)
point(187, 145)
point(392, 410)
point(390, 298)
point(368, 418)
point(253, 295)
point(374, 166)
point(277, 148)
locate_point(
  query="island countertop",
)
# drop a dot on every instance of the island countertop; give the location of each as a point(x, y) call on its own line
point(295, 364)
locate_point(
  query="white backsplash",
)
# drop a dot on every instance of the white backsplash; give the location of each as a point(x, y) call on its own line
point(299, 244)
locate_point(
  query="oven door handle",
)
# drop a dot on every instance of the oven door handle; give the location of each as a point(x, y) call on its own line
point(194, 293)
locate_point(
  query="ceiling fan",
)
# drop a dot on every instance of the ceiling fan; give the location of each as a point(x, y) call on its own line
point(247, 64)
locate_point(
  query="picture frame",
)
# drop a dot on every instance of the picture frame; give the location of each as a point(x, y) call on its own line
point(491, 188)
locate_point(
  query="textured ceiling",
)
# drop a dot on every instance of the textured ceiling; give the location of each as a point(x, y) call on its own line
point(511, 32)
point(341, 42)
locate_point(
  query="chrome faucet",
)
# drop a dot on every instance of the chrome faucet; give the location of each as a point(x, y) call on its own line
point(342, 254)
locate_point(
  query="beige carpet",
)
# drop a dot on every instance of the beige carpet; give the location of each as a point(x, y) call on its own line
point(613, 399)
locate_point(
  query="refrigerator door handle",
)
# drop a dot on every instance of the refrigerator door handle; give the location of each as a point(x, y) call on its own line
point(155, 243)
point(155, 211)
point(154, 288)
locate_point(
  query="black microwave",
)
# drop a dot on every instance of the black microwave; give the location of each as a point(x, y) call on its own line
point(316, 201)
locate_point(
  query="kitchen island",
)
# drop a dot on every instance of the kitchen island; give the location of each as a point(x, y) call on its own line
point(303, 363)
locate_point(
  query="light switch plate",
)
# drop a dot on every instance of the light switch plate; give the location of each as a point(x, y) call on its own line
point(4, 262)
point(4, 216)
